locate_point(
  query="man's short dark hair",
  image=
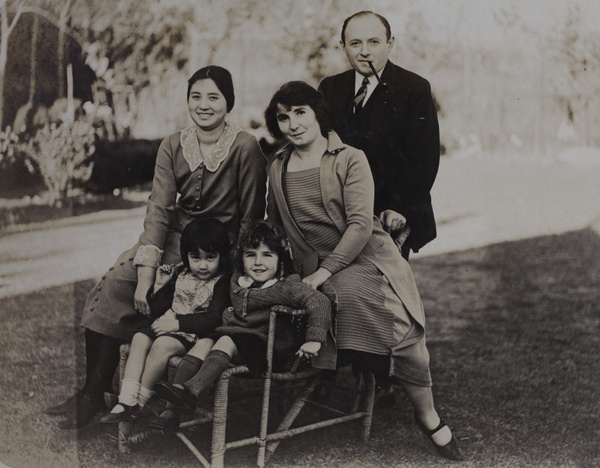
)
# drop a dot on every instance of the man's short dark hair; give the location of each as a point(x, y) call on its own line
point(386, 25)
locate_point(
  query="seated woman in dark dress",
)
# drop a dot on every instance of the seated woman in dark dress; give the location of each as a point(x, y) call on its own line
point(210, 169)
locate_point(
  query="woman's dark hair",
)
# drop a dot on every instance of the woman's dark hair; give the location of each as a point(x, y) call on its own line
point(386, 25)
point(296, 93)
point(262, 232)
point(211, 236)
point(222, 79)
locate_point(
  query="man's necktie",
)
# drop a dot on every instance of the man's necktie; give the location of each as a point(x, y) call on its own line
point(361, 94)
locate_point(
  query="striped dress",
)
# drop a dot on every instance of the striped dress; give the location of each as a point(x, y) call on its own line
point(366, 305)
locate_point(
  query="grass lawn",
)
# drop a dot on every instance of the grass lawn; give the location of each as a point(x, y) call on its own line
point(514, 337)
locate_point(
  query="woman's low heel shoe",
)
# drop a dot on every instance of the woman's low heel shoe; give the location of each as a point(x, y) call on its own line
point(64, 407)
point(129, 412)
point(451, 450)
point(84, 410)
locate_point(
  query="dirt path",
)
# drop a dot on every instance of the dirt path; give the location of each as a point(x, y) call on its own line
point(66, 251)
point(477, 202)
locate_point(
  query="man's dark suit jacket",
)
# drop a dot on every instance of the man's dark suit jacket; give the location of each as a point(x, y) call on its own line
point(398, 131)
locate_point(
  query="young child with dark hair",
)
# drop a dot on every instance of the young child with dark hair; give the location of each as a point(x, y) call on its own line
point(263, 279)
point(184, 310)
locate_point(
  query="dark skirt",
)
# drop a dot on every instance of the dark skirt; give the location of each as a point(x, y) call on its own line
point(407, 363)
point(109, 308)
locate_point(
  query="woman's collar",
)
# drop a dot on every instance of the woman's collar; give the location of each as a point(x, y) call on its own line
point(334, 146)
point(191, 147)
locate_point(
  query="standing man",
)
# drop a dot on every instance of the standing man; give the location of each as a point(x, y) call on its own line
point(389, 113)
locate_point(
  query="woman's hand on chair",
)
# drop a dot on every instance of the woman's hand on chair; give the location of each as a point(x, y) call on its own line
point(317, 278)
point(309, 350)
point(392, 221)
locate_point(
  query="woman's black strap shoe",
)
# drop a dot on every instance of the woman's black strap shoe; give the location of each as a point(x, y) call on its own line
point(451, 450)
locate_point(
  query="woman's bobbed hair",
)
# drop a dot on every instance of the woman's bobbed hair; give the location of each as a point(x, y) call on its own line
point(222, 79)
point(211, 236)
point(296, 93)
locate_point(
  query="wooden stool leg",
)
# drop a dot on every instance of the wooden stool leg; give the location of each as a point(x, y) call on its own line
point(291, 415)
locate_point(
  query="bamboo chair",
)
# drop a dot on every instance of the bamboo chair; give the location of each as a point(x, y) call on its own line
point(266, 441)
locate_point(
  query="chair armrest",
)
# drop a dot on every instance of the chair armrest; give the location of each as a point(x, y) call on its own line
point(279, 309)
point(275, 311)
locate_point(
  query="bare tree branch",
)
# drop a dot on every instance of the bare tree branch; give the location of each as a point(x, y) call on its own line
point(9, 28)
point(56, 22)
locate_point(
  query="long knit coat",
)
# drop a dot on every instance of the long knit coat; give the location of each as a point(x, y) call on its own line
point(347, 192)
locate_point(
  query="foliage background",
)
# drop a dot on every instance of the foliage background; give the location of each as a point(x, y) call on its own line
point(516, 76)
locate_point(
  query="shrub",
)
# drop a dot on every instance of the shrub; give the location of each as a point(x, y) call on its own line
point(62, 154)
point(8, 140)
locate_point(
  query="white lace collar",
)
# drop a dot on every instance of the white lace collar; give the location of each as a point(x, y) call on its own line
point(191, 147)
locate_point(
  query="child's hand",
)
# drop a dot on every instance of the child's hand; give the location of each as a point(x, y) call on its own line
point(309, 349)
point(164, 324)
point(164, 275)
point(169, 314)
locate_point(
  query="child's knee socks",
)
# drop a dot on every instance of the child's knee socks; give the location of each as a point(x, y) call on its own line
point(215, 363)
point(188, 367)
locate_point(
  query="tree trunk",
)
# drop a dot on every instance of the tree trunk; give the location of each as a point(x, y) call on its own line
point(61, 61)
point(62, 27)
point(70, 100)
point(4, 35)
point(33, 62)
point(3, 54)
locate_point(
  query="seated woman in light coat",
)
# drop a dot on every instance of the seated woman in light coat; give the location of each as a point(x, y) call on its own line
point(321, 191)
